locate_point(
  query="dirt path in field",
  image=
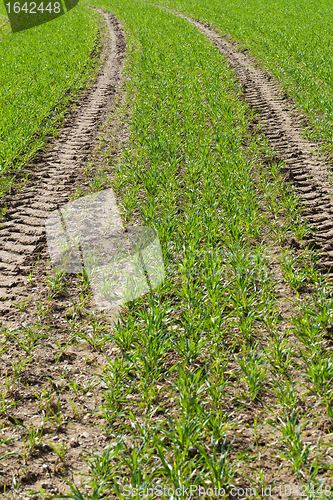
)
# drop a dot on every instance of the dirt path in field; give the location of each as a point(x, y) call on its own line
point(55, 175)
point(54, 391)
point(283, 127)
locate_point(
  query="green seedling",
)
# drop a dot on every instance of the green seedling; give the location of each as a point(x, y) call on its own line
point(88, 386)
point(102, 465)
point(191, 386)
point(280, 353)
point(30, 277)
point(221, 470)
point(35, 437)
point(76, 411)
point(286, 394)
point(79, 192)
point(95, 335)
point(319, 375)
point(56, 285)
point(99, 181)
point(60, 449)
point(47, 401)
point(22, 306)
point(7, 453)
point(292, 447)
point(253, 372)
point(19, 367)
point(294, 275)
point(76, 493)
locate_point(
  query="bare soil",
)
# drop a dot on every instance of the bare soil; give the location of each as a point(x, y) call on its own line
point(40, 391)
point(55, 175)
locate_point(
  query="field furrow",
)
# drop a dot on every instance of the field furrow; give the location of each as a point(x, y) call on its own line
point(305, 167)
point(56, 174)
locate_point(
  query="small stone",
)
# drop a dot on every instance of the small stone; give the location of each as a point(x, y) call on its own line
point(85, 434)
point(74, 442)
point(47, 486)
point(114, 349)
point(61, 383)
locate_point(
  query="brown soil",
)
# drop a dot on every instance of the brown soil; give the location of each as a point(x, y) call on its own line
point(55, 175)
point(40, 394)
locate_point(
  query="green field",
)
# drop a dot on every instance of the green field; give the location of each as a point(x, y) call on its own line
point(292, 38)
point(219, 381)
point(37, 67)
point(215, 324)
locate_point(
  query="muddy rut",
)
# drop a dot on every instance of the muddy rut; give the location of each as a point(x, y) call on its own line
point(55, 174)
point(306, 169)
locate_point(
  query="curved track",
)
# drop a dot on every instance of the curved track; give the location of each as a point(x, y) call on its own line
point(283, 128)
point(55, 174)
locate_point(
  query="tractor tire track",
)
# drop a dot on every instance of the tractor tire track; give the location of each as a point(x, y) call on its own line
point(56, 173)
point(306, 168)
